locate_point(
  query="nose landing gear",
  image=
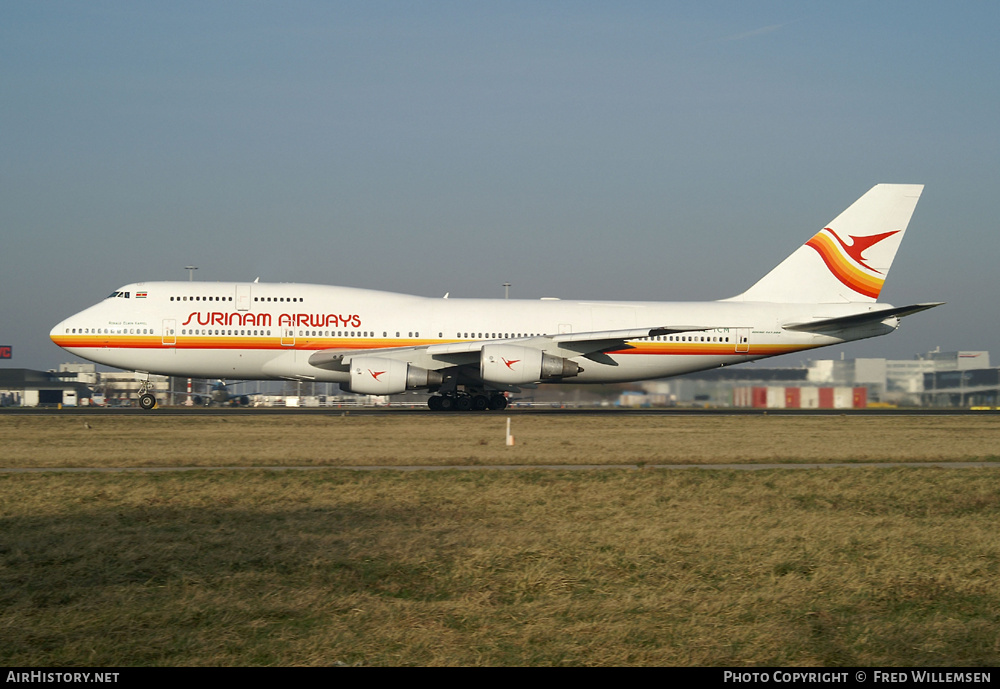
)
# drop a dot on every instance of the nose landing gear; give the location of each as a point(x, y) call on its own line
point(146, 400)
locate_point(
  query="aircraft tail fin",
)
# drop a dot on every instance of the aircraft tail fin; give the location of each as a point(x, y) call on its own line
point(848, 260)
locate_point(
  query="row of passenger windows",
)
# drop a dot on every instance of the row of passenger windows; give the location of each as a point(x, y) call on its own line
point(209, 331)
point(490, 336)
point(352, 333)
point(109, 331)
point(686, 338)
point(301, 333)
point(366, 333)
point(258, 299)
point(657, 338)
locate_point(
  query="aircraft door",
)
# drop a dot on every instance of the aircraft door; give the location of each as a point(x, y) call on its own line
point(169, 336)
point(742, 340)
point(243, 297)
point(287, 337)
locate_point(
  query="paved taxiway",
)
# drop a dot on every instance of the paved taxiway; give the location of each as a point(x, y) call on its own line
point(510, 411)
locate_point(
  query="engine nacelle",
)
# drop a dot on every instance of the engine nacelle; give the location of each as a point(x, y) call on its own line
point(372, 375)
point(515, 365)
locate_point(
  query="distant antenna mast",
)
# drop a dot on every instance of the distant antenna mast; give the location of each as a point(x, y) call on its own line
point(506, 290)
point(190, 270)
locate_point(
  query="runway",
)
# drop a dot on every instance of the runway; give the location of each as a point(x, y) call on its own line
point(538, 410)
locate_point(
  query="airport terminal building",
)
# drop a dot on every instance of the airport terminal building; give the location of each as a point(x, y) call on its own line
point(936, 379)
point(22, 387)
point(73, 385)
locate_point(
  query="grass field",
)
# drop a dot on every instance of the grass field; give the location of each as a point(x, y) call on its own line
point(404, 439)
point(832, 566)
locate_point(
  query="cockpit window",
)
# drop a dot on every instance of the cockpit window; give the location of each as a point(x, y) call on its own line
point(120, 295)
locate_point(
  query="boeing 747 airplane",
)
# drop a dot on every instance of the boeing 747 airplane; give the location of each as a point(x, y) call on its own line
point(469, 352)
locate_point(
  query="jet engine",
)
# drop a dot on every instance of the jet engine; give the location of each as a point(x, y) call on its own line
point(372, 375)
point(514, 365)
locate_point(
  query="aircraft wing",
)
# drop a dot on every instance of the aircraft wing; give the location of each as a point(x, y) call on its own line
point(440, 356)
point(340, 359)
point(823, 325)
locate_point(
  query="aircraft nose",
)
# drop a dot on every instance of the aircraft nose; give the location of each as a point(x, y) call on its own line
point(61, 329)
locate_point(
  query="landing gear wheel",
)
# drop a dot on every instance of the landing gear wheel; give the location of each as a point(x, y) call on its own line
point(434, 403)
point(463, 403)
point(447, 403)
point(498, 403)
point(147, 401)
point(480, 402)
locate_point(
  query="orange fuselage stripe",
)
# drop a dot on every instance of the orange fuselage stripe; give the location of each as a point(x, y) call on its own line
point(189, 342)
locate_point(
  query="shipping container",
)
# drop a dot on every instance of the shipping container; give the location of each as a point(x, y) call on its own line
point(809, 398)
point(742, 397)
point(843, 398)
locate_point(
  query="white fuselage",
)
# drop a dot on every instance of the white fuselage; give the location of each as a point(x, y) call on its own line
point(269, 331)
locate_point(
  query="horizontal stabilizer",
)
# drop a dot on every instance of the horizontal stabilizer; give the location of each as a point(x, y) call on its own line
point(822, 325)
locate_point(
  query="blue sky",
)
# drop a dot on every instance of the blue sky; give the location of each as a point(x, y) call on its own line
point(627, 150)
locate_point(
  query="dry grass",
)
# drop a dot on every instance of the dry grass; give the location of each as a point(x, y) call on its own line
point(860, 566)
point(404, 439)
point(773, 568)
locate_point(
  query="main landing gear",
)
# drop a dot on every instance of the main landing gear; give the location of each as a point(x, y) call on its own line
point(466, 402)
